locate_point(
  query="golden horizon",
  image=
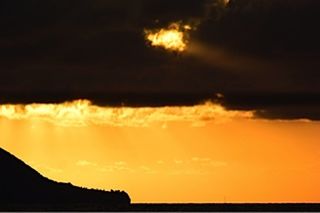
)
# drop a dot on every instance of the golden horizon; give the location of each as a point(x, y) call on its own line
point(203, 153)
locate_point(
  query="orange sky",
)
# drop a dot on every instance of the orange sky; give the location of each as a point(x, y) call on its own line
point(179, 154)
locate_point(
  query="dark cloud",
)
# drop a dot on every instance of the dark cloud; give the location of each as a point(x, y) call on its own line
point(60, 50)
point(266, 27)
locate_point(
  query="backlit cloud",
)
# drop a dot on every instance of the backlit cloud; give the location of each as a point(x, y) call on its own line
point(174, 38)
point(84, 113)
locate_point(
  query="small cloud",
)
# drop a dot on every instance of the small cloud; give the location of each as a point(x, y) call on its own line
point(205, 159)
point(148, 170)
point(195, 159)
point(218, 163)
point(85, 163)
point(46, 168)
point(199, 124)
point(188, 172)
point(178, 161)
point(220, 95)
point(54, 170)
point(118, 166)
point(121, 166)
point(164, 126)
point(121, 163)
point(160, 162)
point(105, 170)
point(208, 161)
point(145, 168)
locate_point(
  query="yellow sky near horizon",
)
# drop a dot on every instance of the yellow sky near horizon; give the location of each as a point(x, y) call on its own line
point(202, 153)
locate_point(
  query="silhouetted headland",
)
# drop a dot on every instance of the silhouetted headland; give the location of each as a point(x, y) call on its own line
point(23, 188)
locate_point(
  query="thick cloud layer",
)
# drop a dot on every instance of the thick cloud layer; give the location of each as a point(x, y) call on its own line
point(61, 50)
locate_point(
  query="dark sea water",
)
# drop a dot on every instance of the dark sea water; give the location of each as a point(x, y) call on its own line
point(285, 207)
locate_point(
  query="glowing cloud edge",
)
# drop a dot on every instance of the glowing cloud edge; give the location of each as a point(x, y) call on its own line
point(172, 38)
point(80, 113)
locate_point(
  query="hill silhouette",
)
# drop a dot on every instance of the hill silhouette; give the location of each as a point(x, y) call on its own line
point(22, 187)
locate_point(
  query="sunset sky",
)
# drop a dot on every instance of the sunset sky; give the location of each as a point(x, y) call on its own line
point(171, 101)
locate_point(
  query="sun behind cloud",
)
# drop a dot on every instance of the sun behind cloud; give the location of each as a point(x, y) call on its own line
point(174, 38)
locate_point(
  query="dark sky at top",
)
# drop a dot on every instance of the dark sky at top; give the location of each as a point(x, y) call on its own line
point(62, 50)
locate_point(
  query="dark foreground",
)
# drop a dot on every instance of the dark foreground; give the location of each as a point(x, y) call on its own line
point(170, 208)
point(226, 207)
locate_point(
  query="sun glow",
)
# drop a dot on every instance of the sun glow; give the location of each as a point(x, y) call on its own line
point(174, 38)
